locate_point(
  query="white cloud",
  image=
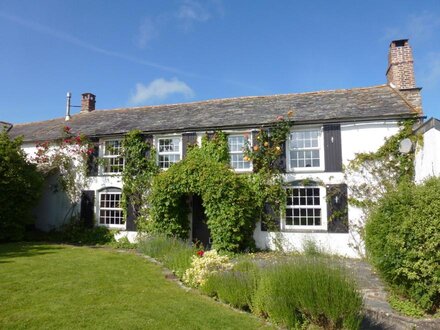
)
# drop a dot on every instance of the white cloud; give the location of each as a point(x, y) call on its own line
point(191, 10)
point(160, 89)
point(418, 27)
point(147, 31)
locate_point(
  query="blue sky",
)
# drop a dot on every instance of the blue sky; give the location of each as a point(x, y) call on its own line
point(132, 53)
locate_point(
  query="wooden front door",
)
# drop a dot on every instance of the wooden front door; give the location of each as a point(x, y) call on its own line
point(200, 230)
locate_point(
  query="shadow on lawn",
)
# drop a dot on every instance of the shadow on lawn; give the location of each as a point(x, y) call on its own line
point(9, 251)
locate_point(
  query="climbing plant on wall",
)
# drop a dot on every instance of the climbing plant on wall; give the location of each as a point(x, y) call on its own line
point(228, 198)
point(267, 181)
point(372, 175)
point(139, 169)
point(67, 157)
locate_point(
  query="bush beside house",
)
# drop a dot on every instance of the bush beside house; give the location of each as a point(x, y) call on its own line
point(403, 241)
point(20, 188)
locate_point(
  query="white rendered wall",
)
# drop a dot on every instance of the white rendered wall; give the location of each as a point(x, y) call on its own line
point(427, 162)
point(355, 138)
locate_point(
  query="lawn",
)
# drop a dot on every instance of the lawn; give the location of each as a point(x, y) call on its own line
point(69, 287)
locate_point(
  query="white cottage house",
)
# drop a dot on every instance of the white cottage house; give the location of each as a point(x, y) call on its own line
point(329, 128)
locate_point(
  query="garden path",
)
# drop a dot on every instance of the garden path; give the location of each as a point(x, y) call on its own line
point(379, 314)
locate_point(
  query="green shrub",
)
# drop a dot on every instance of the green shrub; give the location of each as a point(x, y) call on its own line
point(202, 266)
point(403, 241)
point(406, 307)
point(75, 232)
point(229, 199)
point(311, 248)
point(236, 287)
point(175, 254)
point(308, 291)
point(20, 188)
point(123, 243)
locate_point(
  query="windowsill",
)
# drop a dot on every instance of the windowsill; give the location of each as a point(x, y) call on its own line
point(305, 170)
point(112, 226)
point(304, 231)
point(239, 171)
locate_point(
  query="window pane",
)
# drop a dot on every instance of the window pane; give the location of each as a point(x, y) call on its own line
point(303, 207)
point(237, 145)
point(110, 212)
point(304, 148)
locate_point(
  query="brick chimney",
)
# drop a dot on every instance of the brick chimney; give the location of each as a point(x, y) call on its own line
point(88, 102)
point(400, 72)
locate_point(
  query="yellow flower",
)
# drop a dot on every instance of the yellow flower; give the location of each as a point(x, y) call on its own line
point(290, 113)
point(246, 158)
point(266, 144)
point(256, 148)
point(278, 148)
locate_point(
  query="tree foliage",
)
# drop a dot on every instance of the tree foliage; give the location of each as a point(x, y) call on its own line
point(20, 188)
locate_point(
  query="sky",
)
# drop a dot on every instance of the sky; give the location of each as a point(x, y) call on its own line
point(133, 53)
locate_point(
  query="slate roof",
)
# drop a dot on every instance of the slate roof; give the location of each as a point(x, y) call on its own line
point(377, 102)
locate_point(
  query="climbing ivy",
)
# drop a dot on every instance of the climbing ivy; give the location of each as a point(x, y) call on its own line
point(266, 181)
point(228, 198)
point(139, 169)
point(376, 173)
point(233, 202)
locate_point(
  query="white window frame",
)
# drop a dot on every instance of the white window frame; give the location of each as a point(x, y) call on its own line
point(164, 153)
point(249, 139)
point(320, 147)
point(105, 157)
point(322, 207)
point(103, 208)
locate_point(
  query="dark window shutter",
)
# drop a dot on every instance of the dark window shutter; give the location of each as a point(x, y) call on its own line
point(130, 220)
point(280, 163)
point(337, 208)
point(92, 161)
point(270, 221)
point(332, 148)
point(210, 135)
point(149, 141)
point(87, 213)
point(188, 139)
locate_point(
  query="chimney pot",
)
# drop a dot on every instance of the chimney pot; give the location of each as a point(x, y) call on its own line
point(88, 102)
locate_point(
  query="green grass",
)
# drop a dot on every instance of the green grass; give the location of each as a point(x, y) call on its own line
point(67, 287)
